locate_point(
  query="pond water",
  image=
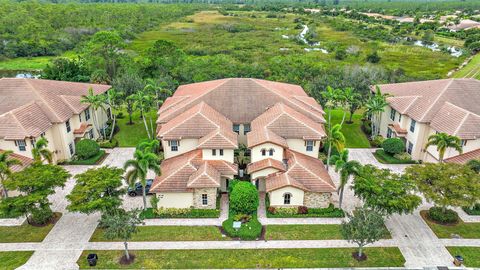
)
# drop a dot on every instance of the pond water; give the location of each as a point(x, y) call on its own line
point(314, 45)
point(436, 48)
point(19, 74)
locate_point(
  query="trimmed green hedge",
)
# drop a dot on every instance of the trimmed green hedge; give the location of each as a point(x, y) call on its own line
point(191, 213)
point(248, 231)
point(448, 217)
point(393, 146)
point(90, 161)
point(329, 212)
point(109, 144)
point(243, 198)
point(86, 148)
point(385, 158)
point(475, 211)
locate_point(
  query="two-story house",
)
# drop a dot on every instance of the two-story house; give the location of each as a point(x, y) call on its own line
point(417, 110)
point(202, 124)
point(34, 108)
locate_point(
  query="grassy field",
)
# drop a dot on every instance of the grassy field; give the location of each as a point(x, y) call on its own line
point(30, 63)
point(13, 259)
point(465, 230)
point(247, 258)
point(24, 233)
point(131, 135)
point(353, 133)
point(168, 233)
point(471, 70)
point(471, 255)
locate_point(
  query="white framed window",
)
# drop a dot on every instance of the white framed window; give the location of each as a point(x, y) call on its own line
point(220, 152)
point(214, 152)
point(204, 199)
point(236, 128)
point(271, 151)
point(392, 114)
point(309, 146)
point(174, 145)
point(22, 145)
point(287, 198)
point(67, 125)
point(90, 134)
point(246, 128)
point(410, 147)
point(389, 132)
point(87, 114)
point(71, 148)
point(463, 142)
point(264, 152)
point(412, 125)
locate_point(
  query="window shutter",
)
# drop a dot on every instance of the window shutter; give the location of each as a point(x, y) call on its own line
point(178, 143)
point(168, 143)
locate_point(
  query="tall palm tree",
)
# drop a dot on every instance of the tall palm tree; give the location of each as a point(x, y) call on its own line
point(374, 107)
point(6, 163)
point(149, 146)
point(160, 92)
point(113, 101)
point(96, 102)
point(143, 102)
point(444, 141)
point(40, 151)
point(346, 168)
point(335, 138)
point(353, 101)
point(331, 97)
point(142, 162)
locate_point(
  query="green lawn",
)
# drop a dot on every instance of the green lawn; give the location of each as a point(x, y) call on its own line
point(247, 258)
point(305, 232)
point(131, 135)
point(30, 63)
point(168, 233)
point(471, 70)
point(471, 255)
point(385, 158)
point(465, 230)
point(353, 133)
point(13, 259)
point(91, 161)
point(24, 233)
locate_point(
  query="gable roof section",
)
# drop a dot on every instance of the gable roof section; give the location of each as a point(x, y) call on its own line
point(465, 157)
point(264, 135)
point(26, 161)
point(46, 101)
point(264, 164)
point(239, 99)
point(206, 176)
point(306, 170)
point(220, 138)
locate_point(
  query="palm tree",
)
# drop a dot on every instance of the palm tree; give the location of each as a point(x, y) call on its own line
point(346, 168)
point(353, 101)
point(444, 141)
point(112, 101)
point(143, 102)
point(335, 138)
point(374, 107)
point(241, 157)
point(140, 164)
point(149, 146)
point(6, 162)
point(40, 151)
point(331, 97)
point(96, 102)
point(160, 93)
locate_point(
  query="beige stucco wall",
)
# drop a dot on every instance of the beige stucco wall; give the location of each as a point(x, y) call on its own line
point(256, 153)
point(298, 145)
point(186, 145)
point(175, 200)
point(431, 154)
point(228, 155)
point(242, 137)
point(276, 196)
point(317, 200)
point(263, 173)
point(211, 195)
point(223, 182)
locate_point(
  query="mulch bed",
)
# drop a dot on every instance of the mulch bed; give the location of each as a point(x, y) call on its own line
point(123, 260)
point(424, 214)
point(359, 258)
point(261, 237)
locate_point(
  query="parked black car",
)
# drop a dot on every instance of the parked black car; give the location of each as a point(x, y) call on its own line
point(137, 189)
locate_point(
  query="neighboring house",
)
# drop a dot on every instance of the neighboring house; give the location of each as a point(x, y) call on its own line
point(26, 161)
point(417, 110)
point(34, 108)
point(464, 25)
point(202, 124)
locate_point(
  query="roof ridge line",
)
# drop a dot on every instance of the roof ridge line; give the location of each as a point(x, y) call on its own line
point(41, 97)
point(463, 109)
point(299, 164)
point(436, 99)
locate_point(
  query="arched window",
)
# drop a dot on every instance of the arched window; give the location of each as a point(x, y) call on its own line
point(286, 198)
point(270, 152)
point(264, 152)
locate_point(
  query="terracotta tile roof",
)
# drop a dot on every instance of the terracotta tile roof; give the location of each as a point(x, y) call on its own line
point(220, 138)
point(177, 172)
point(29, 107)
point(265, 163)
point(281, 122)
point(26, 161)
point(465, 157)
point(464, 24)
point(398, 130)
point(306, 170)
point(81, 130)
point(206, 176)
point(240, 99)
point(449, 105)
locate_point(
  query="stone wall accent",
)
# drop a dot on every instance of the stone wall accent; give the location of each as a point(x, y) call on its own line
point(317, 200)
point(212, 198)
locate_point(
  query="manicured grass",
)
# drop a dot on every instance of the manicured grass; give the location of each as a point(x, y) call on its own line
point(353, 133)
point(168, 233)
point(385, 158)
point(91, 161)
point(24, 233)
point(465, 230)
point(26, 63)
point(306, 232)
point(471, 70)
point(246, 258)
point(131, 135)
point(13, 259)
point(471, 255)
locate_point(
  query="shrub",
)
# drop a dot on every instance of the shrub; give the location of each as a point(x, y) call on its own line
point(154, 202)
point(286, 211)
point(86, 148)
point(120, 115)
point(403, 156)
point(377, 141)
point(181, 213)
point(108, 144)
point(41, 215)
point(330, 212)
point(302, 210)
point(373, 58)
point(438, 215)
point(242, 217)
point(393, 146)
point(272, 210)
point(250, 230)
point(475, 210)
point(244, 198)
point(367, 127)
